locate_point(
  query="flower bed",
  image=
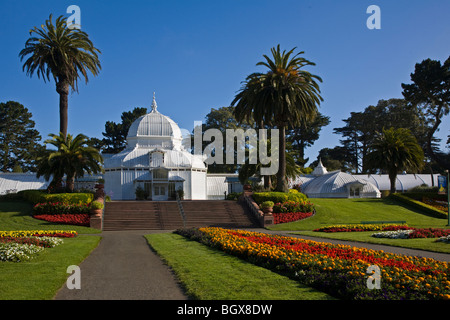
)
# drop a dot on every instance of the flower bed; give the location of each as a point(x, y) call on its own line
point(440, 205)
point(290, 217)
point(46, 242)
point(16, 252)
point(337, 269)
point(444, 239)
point(39, 233)
point(413, 233)
point(289, 211)
point(72, 219)
point(17, 246)
point(399, 234)
point(362, 227)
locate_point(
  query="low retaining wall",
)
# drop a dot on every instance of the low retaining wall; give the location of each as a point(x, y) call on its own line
point(265, 219)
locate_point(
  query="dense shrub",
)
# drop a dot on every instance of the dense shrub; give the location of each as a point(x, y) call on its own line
point(293, 206)
point(60, 208)
point(234, 195)
point(277, 197)
point(37, 196)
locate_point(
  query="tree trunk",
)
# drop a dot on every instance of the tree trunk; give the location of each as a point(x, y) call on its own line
point(62, 87)
point(70, 182)
point(281, 175)
point(267, 183)
point(392, 178)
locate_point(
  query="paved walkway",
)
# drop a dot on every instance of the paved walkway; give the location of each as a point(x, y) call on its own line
point(123, 267)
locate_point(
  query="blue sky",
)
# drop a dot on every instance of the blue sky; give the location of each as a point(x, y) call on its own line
point(194, 55)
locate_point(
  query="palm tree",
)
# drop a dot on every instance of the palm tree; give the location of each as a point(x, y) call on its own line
point(284, 95)
point(72, 158)
point(66, 54)
point(394, 151)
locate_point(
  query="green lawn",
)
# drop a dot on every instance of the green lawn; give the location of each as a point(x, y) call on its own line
point(41, 277)
point(349, 211)
point(209, 274)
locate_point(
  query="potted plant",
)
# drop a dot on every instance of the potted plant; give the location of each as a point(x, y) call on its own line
point(96, 208)
point(100, 184)
point(180, 193)
point(141, 194)
point(267, 207)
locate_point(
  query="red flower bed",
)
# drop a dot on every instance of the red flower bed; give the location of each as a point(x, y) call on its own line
point(73, 219)
point(290, 216)
point(26, 240)
point(429, 233)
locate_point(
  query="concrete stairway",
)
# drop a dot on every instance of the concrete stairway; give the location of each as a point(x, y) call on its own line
point(141, 215)
point(165, 215)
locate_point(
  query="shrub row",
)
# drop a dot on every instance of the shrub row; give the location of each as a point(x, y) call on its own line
point(430, 210)
point(37, 196)
point(60, 208)
point(277, 197)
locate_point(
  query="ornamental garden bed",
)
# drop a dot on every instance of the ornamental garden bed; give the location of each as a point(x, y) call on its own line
point(339, 270)
point(63, 213)
point(18, 246)
point(291, 210)
point(391, 231)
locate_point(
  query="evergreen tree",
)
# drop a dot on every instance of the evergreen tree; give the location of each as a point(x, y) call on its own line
point(115, 135)
point(19, 141)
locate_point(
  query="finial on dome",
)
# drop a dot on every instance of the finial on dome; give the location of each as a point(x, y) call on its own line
point(154, 105)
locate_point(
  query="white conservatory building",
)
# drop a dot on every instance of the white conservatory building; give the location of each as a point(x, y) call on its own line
point(336, 184)
point(155, 161)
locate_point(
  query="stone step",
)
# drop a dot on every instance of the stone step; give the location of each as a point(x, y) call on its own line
point(165, 215)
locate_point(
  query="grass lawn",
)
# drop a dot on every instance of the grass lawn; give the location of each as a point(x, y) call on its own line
point(41, 277)
point(349, 211)
point(15, 215)
point(209, 274)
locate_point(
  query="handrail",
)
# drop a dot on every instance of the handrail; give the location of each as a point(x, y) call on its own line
point(254, 210)
point(181, 210)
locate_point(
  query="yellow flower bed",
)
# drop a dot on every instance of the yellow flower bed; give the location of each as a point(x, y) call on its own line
point(38, 233)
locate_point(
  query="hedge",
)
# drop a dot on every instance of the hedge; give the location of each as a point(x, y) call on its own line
point(419, 205)
point(37, 196)
point(277, 197)
point(430, 195)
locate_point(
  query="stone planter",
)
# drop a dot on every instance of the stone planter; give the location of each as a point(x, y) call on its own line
point(268, 210)
point(96, 212)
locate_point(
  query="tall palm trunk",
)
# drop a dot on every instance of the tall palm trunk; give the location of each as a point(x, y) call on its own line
point(392, 178)
point(281, 174)
point(62, 87)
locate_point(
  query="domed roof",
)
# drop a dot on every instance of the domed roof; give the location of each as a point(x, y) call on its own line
point(155, 129)
point(336, 185)
point(154, 124)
